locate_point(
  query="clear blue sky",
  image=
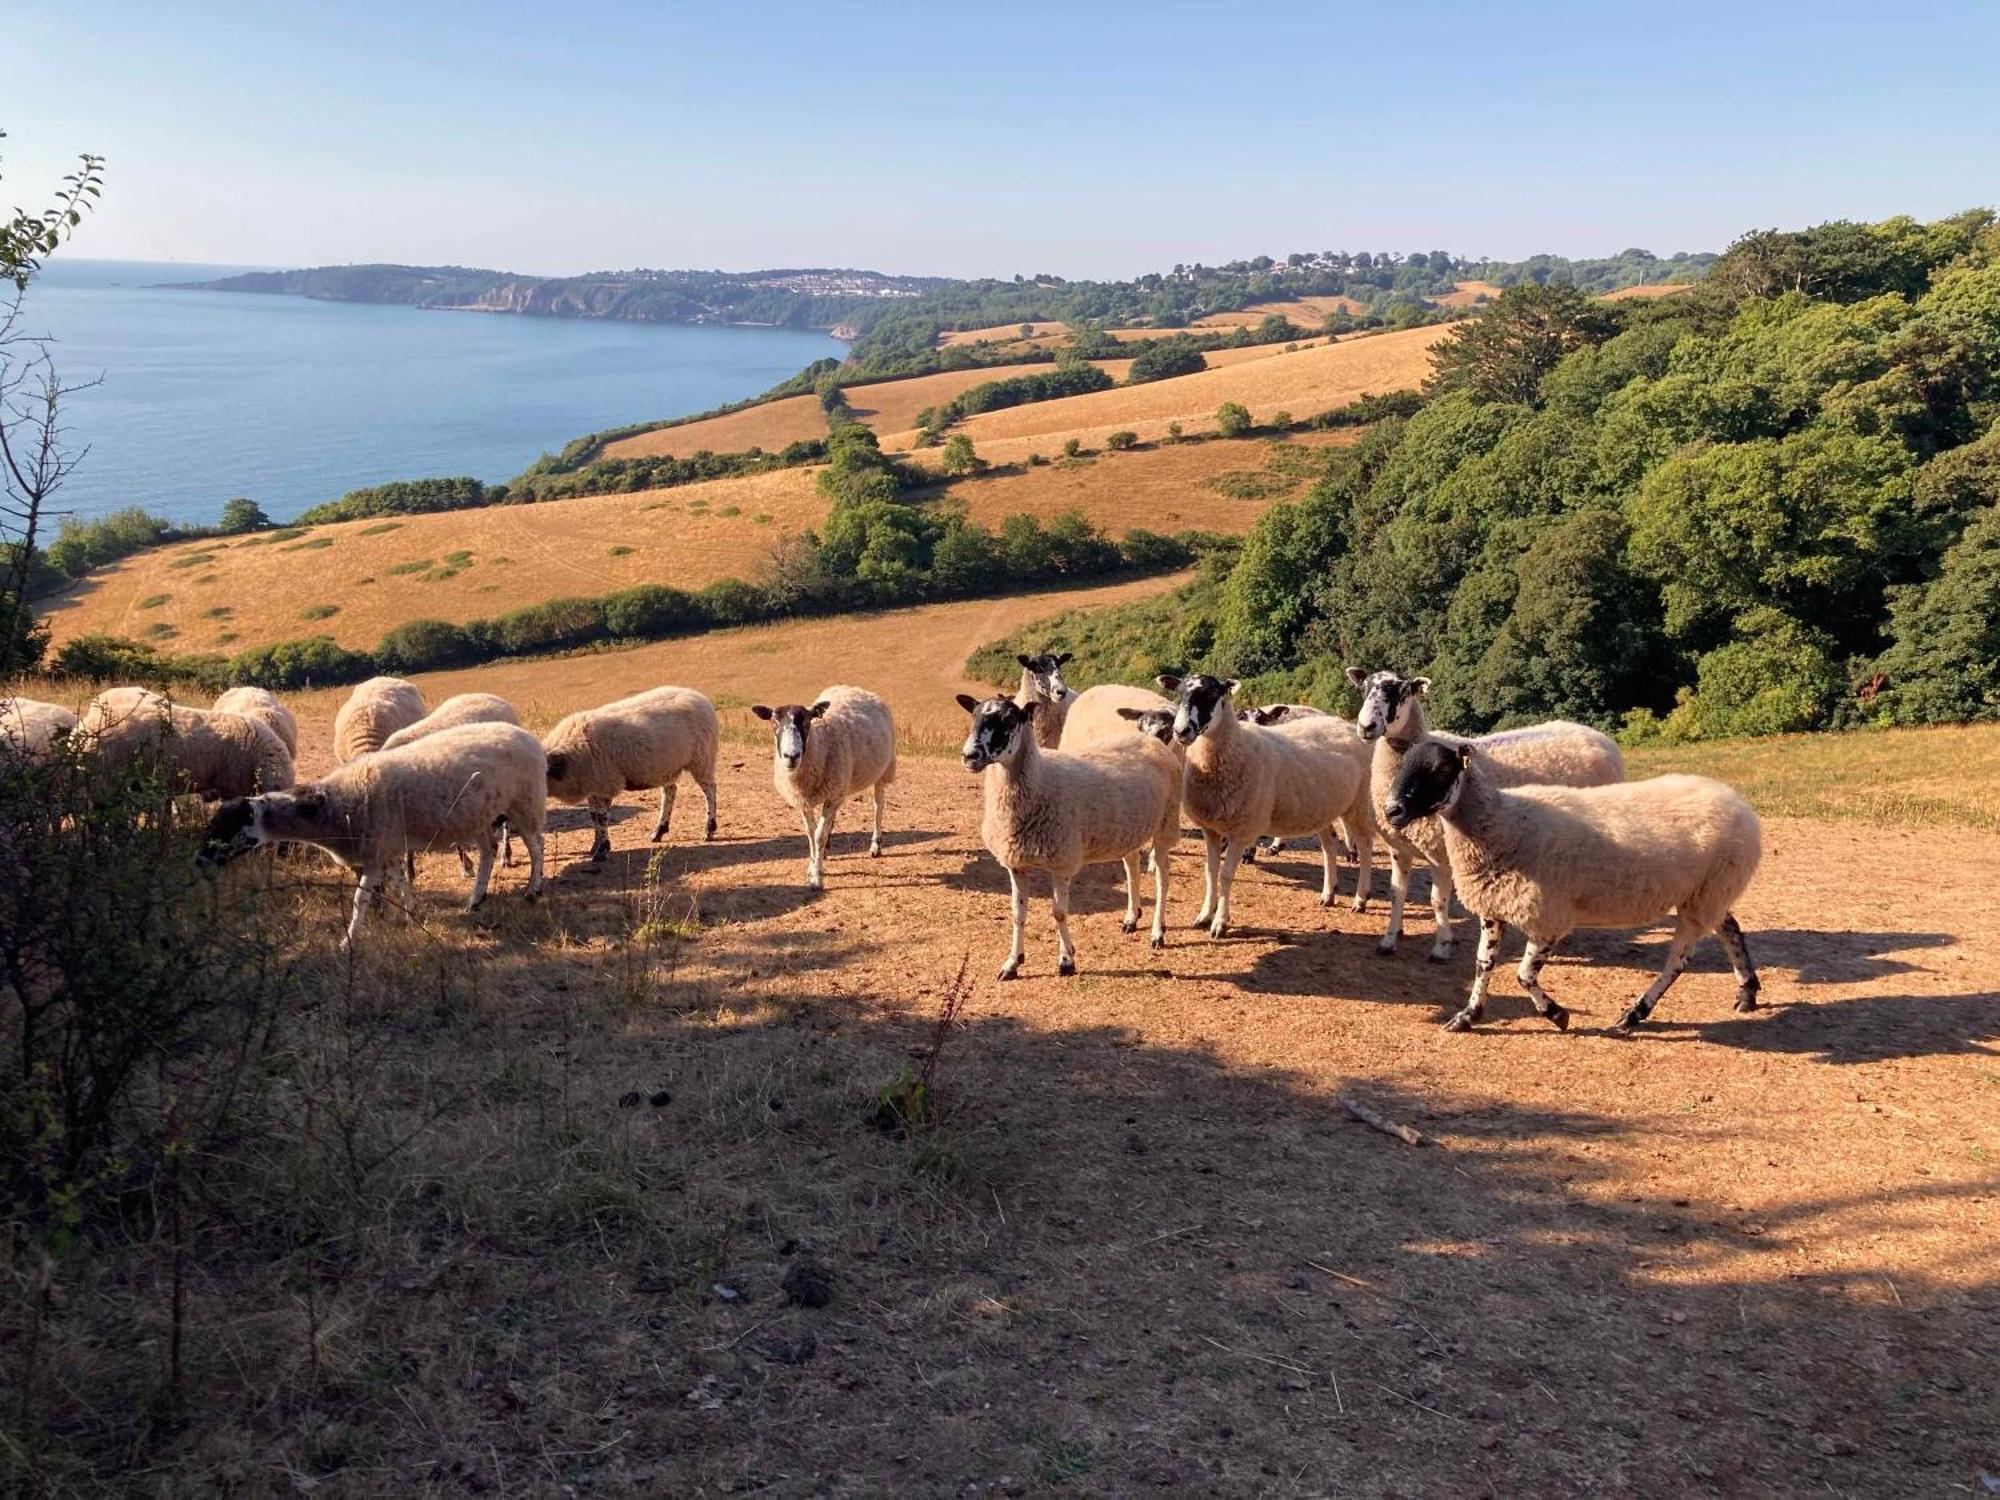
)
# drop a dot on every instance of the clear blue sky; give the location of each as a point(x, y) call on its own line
point(1083, 138)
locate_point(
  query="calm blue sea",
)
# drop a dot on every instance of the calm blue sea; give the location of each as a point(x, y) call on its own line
point(206, 395)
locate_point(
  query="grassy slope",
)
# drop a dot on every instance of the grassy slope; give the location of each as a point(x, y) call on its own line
point(769, 426)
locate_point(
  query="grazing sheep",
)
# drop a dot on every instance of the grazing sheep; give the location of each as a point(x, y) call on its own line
point(841, 746)
point(1557, 753)
point(1550, 859)
point(646, 740)
point(1042, 682)
point(1279, 713)
point(374, 711)
point(213, 755)
point(34, 729)
point(452, 787)
point(1100, 715)
point(1244, 781)
point(1158, 723)
point(1065, 809)
point(461, 708)
point(262, 705)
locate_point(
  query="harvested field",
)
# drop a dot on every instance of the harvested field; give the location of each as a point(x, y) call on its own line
point(1309, 312)
point(1002, 333)
point(892, 405)
point(1467, 293)
point(1658, 289)
point(770, 426)
point(1305, 382)
point(475, 563)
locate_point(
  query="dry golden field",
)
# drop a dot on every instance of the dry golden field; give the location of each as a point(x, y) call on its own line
point(1659, 289)
point(769, 426)
point(892, 405)
point(1466, 293)
point(1003, 333)
point(475, 563)
point(1308, 312)
point(1305, 382)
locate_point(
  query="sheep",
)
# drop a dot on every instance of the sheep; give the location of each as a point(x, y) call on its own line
point(646, 740)
point(1042, 682)
point(1099, 715)
point(451, 787)
point(212, 755)
point(1244, 781)
point(1060, 810)
point(33, 729)
point(461, 708)
point(1156, 723)
point(844, 744)
point(262, 705)
point(1557, 753)
point(374, 711)
point(1280, 713)
point(1550, 859)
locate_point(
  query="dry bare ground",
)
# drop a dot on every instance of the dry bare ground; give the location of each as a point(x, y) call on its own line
point(770, 426)
point(1304, 382)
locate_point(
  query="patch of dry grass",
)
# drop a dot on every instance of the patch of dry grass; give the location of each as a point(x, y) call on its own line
point(892, 405)
point(770, 425)
point(1658, 289)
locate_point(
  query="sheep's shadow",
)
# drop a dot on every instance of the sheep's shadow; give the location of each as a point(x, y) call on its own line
point(1811, 957)
point(1097, 888)
point(1869, 1028)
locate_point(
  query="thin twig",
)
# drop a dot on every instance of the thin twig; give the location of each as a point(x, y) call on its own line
point(1283, 1364)
point(1401, 1397)
point(1343, 1276)
point(718, 1348)
point(1370, 1116)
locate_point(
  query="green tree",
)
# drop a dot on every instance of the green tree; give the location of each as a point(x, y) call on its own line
point(958, 456)
point(1159, 359)
point(1778, 676)
point(1943, 663)
point(1232, 419)
point(243, 514)
point(1503, 353)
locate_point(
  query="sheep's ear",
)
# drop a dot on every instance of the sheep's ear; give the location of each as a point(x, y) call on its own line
point(558, 765)
point(1230, 687)
point(760, 710)
point(1358, 677)
point(1065, 659)
point(1168, 682)
point(1131, 713)
point(1026, 661)
point(818, 710)
point(969, 703)
point(1032, 708)
point(1465, 757)
point(1421, 684)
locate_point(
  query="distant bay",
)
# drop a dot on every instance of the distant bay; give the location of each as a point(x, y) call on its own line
point(206, 395)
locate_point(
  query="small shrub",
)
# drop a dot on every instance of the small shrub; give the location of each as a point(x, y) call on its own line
point(228, 637)
point(160, 631)
point(762, 518)
point(380, 529)
point(426, 645)
point(1072, 447)
point(319, 611)
point(192, 560)
point(154, 601)
point(438, 575)
point(207, 578)
point(1232, 419)
point(730, 510)
point(1249, 484)
point(618, 551)
point(313, 544)
point(1119, 441)
point(1037, 461)
point(650, 611)
point(458, 559)
point(1281, 420)
point(1173, 432)
point(315, 661)
point(219, 612)
point(554, 625)
point(420, 565)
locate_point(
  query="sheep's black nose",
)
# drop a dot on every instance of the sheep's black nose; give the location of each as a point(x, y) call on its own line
point(1398, 814)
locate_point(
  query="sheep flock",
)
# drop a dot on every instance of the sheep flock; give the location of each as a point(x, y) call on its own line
point(1535, 827)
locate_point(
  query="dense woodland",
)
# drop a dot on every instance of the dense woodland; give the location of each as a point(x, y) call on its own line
point(1771, 503)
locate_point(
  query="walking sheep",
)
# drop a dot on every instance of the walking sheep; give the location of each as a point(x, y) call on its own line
point(1556, 753)
point(1244, 781)
point(262, 705)
point(647, 740)
point(212, 755)
point(844, 744)
point(374, 711)
point(1042, 682)
point(452, 787)
point(31, 728)
point(1550, 859)
point(1061, 810)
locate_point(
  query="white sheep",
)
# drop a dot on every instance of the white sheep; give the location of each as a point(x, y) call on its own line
point(1278, 713)
point(1244, 781)
point(1555, 753)
point(460, 708)
point(840, 746)
point(452, 787)
point(262, 705)
point(375, 710)
point(212, 755)
point(34, 729)
point(647, 740)
point(1061, 810)
point(1550, 859)
point(1102, 714)
point(1042, 682)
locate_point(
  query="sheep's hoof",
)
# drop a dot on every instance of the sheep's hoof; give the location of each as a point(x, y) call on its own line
point(874, 851)
point(1360, 903)
point(1459, 1022)
point(1250, 856)
point(1010, 969)
point(1326, 899)
point(599, 853)
point(1130, 924)
point(1628, 1023)
point(659, 833)
point(534, 895)
point(1201, 921)
point(1746, 1001)
point(1218, 928)
point(1385, 949)
point(475, 905)
point(1438, 956)
point(1157, 941)
point(709, 832)
point(1065, 966)
point(1556, 1016)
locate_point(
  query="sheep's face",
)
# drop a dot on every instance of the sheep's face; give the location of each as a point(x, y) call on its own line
point(997, 725)
point(1388, 702)
point(243, 823)
point(1428, 783)
point(1269, 714)
point(1203, 700)
point(1157, 722)
point(1042, 676)
point(792, 723)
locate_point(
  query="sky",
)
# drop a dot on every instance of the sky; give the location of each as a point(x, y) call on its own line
point(1085, 139)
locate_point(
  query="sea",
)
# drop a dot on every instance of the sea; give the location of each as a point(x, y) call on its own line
point(201, 396)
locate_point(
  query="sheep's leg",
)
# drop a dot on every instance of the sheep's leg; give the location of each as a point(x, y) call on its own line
point(487, 849)
point(1212, 852)
point(812, 843)
point(1441, 891)
point(1747, 982)
point(600, 821)
point(1065, 948)
point(506, 842)
point(1399, 889)
point(1684, 939)
point(534, 842)
point(875, 838)
point(464, 859)
point(1132, 873)
point(1346, 831)
point(364, 894)
point(1162, 856)
point(1364, 868)
point(1019, 951)
point(822, 840)
point(1482, 977)
point(1250, 854)
point(1530, 974)
point(1329, 882)
point(708, 795)
point(1232, 856)
point(666, 811)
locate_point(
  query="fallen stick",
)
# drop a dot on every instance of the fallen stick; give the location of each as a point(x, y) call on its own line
point(1381, 1121)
